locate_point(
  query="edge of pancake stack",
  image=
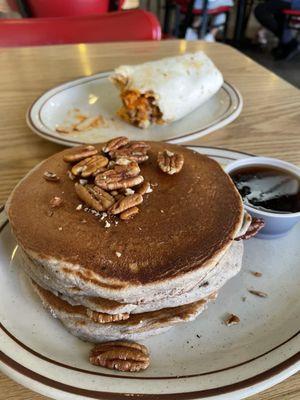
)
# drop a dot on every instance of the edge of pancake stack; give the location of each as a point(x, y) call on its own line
point(127, 239)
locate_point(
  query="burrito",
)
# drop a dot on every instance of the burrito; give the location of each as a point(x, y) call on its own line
point(164, 91)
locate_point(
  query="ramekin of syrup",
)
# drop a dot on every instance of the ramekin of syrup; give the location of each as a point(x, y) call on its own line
point(270, 189)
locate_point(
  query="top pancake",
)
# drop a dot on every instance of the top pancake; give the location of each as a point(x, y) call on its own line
point(189, 219)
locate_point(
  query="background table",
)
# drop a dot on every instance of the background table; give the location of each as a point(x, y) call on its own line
point(269, 123)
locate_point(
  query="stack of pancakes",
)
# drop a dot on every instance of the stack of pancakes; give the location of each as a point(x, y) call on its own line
point(129, 279)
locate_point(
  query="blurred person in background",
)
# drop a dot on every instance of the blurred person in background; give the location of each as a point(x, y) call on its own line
point(269, 14)
point(217, 23)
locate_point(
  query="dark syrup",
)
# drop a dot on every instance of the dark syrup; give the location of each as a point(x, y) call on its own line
point(268, 188)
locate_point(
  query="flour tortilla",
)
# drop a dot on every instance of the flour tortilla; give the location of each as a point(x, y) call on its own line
point(180, 84)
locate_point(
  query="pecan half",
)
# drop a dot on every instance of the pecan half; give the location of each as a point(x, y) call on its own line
point(169, 162)
point(121, 176)
point(80, 154)
point(50, 176)
point(129, 213)
point(90, 166)
point(136, 151)
point(115, 143)
point(121, 355)
point(125, 203)
point(256, 225)
point(94, 197)
point(103, 318)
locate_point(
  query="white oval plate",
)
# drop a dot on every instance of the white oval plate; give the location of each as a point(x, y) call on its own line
point(96, 95)
point(203, 359)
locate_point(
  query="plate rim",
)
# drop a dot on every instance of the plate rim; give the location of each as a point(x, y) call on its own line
point(265, 376)
point(200, 394)
point(47, 94)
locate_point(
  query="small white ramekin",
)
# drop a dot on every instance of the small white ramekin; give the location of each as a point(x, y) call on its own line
point(276, 224)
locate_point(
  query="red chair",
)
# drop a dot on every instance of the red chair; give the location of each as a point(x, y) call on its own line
point(186, 7)
point(110, 27)
point(292, 19)
point(67, 8)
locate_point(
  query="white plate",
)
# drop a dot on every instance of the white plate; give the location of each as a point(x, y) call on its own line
point(220, 363)
point(95, 95)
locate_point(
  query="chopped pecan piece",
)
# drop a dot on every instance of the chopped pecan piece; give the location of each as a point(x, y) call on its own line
point(111, 164)
point(50, 176)
point(56, 202)
point(256, 225)
point(169, 162)
point(256, 273)
point(103, 318)
point(231, 320)
point(121, 355)
point(129, 213)
point(136, 151)
point(90, 166)
point(115, 143)
point(125, 203)
point(80, 154)
point(94, 197)
point(257, 293)
point(121, 176)
point(144, 188)
point(70, 175)
point(64, 128)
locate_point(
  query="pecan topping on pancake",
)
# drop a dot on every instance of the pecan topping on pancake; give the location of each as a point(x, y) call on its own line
point(126, 203)
point(129, 213)
point(90, 166)
point(78, 155)
point(101, 181)
point(115, 143)
point(50, 176)
point(94, 197)
point(136, 151)
point(256, 225)
point(170, 163)
point(121, 176)
point(121, 355)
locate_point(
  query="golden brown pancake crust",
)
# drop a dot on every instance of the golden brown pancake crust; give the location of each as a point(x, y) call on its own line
point(188, 219)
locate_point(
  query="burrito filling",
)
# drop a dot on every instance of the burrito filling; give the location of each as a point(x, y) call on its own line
point(139, 108)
